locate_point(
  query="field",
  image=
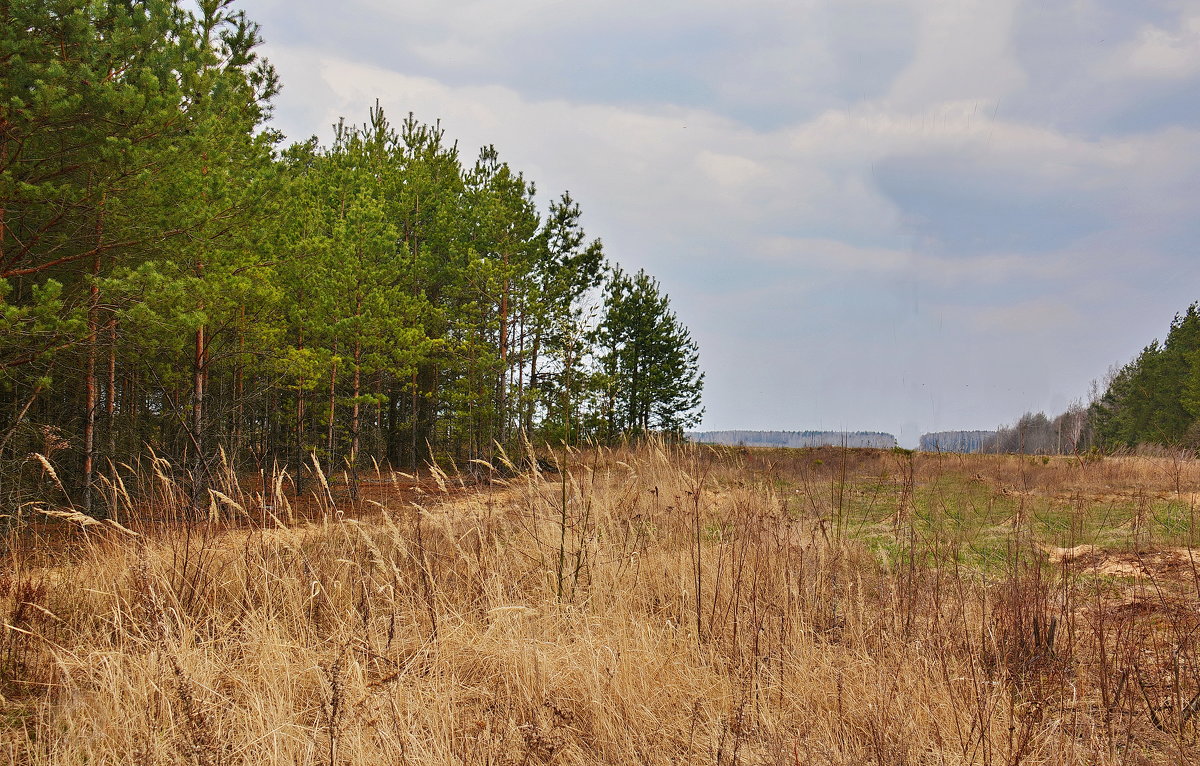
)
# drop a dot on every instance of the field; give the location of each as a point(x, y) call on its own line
point(646, 605)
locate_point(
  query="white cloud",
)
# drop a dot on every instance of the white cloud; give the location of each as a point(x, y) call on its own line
point(963, 53)
point(657, 174)
point(842, 259)
point(1165, 53)
point(730, 172)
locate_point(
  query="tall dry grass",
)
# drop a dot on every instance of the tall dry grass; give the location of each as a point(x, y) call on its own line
point(654, 605)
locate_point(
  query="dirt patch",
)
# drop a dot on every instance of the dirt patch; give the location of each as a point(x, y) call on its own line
point(1166, 563)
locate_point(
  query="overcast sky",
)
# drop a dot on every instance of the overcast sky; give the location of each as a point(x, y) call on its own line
point(894, 215)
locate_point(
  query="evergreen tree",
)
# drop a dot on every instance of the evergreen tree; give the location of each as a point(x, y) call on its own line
point(429, 209)
point(568, 269)
point(501, 251)
point(352, 278)
point(649, 362)
point(1154, 398)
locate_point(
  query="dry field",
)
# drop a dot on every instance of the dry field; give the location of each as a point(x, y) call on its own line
point(654, 605)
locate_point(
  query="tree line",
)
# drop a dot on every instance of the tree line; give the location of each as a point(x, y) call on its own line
point(172, 280)
point(864, 439)
point(1154, 399)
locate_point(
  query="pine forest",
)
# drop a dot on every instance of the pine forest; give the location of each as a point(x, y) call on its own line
point(176, 284)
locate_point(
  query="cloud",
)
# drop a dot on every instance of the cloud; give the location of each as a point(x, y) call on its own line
point(1042, 315)
point(1158, 52)
point(942, 196)
point(841, 260)
point(1106, 67)
point(963, 53)
point(731, 172)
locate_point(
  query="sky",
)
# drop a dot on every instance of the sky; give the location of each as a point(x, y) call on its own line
point(888, 215)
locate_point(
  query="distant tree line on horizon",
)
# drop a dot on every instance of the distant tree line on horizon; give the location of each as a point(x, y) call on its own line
point(955, 441)
point(170, 281)
point(1032, 434)
point(871, 439)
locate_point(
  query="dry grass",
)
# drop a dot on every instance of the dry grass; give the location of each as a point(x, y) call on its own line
point(650, 606)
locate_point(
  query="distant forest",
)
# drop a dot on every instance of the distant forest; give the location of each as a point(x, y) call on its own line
point(1033, 434)
point(174, 282)
point(796, 438)
point(956, 441)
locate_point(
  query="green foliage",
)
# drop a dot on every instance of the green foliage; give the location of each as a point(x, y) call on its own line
point(1156, 397)
point(650, 364)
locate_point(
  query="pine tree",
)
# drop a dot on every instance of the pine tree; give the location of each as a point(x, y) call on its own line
point(356, 277)
point(502, 248)
point(559, 321)
point(1156, 397)
point(649, 362)
point(429, 208)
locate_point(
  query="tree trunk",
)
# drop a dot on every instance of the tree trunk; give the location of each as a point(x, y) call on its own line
point(355, 419)
point(356, 387)
point(299, 479)
point(110, 402)
point(415, 415)
point(300, 456)
point(3, 164)
point(93, 325)
point(519, 407)
point(199, 463)
point(89, 387)
point(332, 411)
point(533, 382)
point(238, 373)
point(502, 387)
